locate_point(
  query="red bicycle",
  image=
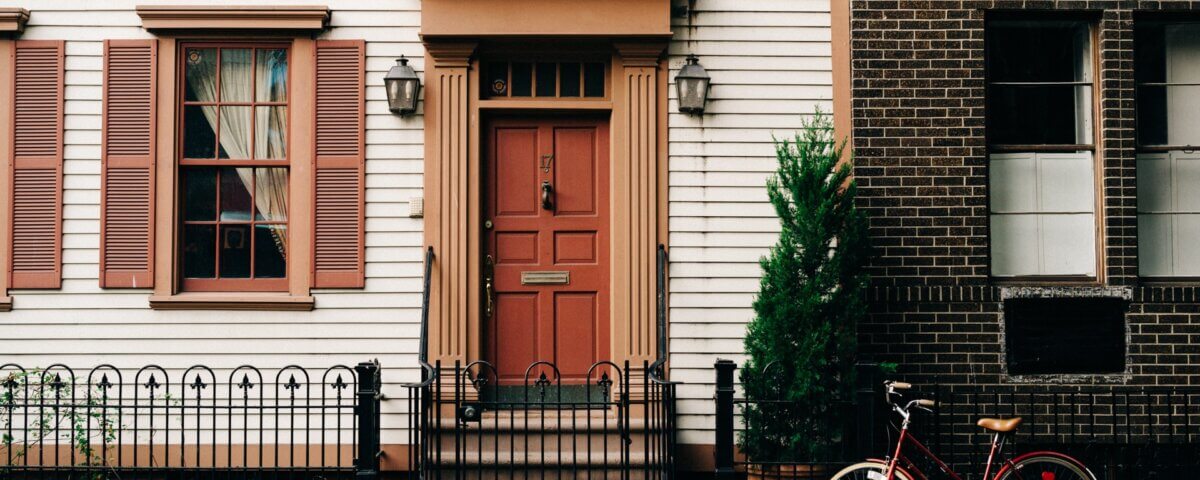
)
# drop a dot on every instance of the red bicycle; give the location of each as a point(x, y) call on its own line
point(1043, 465)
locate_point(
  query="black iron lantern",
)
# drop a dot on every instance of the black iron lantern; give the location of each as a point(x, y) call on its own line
point(692, 83)
point(403, 87)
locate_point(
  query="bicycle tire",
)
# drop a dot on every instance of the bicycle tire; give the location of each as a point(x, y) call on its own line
point(1036, 466)
point(869, 470)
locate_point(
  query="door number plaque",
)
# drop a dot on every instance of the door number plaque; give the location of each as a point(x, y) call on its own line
point(545, 278)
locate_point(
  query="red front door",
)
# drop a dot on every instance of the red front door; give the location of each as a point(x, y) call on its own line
point(547, 201)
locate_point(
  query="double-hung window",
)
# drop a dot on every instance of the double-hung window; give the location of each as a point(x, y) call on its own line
point(1168, 164)
point(1040, 128)
point(234, 167)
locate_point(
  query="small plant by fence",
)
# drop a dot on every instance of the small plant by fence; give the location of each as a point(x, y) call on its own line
point(196, 423)
point(1120, 432)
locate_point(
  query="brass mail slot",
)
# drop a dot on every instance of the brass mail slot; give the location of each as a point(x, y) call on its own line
point(545, 278)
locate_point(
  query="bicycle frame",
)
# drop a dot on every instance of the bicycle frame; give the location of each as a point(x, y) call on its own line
point(900, 460)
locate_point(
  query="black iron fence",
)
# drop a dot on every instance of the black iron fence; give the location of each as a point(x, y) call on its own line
point(1120, 432)
point(155, 423)
point(616, 423)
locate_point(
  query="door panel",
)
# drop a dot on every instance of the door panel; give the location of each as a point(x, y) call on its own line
point(566, 324)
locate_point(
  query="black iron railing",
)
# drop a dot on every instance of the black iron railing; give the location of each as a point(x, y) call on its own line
point(615, 421)
point(156, 423)
point(612, 424)
point(852, 443)
point(1119, 431)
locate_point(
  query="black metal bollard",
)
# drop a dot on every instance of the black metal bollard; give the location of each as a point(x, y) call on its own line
point(723, 449)
point(366, 464)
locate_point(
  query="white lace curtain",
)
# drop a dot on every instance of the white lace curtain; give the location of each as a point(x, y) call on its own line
point(238, 84)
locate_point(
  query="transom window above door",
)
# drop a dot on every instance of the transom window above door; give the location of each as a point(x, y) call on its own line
point(234, 167)
point(543, 79)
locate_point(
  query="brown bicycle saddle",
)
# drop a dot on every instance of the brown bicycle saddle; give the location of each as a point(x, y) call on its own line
point(1000, 425)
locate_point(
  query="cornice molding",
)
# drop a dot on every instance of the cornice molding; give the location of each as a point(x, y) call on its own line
point(451, 54)
point(178, 18)
point(12, 20)
point(641, 54)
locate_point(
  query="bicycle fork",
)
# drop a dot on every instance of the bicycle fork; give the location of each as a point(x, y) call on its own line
point(891, 470)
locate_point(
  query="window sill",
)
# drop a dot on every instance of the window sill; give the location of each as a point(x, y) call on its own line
point(238, 301)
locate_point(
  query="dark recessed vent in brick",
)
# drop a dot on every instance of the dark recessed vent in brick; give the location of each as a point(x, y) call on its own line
point(1065, 335)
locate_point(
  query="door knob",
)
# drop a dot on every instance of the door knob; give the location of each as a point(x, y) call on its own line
point(547, 196)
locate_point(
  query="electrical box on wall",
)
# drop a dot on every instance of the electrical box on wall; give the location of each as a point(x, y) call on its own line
point(416, 207)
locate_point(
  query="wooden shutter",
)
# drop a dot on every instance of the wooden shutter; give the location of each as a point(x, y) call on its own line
point(340, 165)
point(37, 165)
point(127, 151)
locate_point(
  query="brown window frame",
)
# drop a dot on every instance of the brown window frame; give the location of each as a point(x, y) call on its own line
point(1097, 136)
point(218, 284)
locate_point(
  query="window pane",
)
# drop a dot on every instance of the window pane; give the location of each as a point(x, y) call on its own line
point(270, 132)
point(1012, 182)
point(1154, 183)
point(235, 133)
point(1040, 115)
point(1052, 51)
point(497, 79)
point(271, 75)
point(235, 194)
point(199, 251)
point(1169, 115)
point(1068, 244)
point(1067, 183)
point(1150, 52)
point(235, 251)
point(237, 75)
point(270, 251)
point(271, 194)
point(1014, 245)
point(547, 81)
point(1154, 245)
point(569, 79)
point(522, 79)
point(201, 72)
point(199, 131)
point(1186, 182)
point(199, 194)
point(1186, 258)
point(593, 80)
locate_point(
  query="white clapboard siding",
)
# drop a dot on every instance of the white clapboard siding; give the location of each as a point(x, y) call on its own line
point(770, 64)
point(83, 325)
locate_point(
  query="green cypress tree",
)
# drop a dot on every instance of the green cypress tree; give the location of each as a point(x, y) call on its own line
point(801, 342)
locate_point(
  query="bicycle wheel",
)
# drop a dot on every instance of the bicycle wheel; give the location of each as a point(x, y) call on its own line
point(870, 470)
point(1045, 466)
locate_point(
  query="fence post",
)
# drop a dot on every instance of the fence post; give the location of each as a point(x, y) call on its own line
point(366, 463)
point(867, 403)
point(723, 450)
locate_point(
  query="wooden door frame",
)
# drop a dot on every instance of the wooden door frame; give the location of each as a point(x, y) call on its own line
point(637, 111)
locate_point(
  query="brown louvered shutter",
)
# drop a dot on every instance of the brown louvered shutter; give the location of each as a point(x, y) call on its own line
point(127, 187)
point(340, 165)
point(37, 165)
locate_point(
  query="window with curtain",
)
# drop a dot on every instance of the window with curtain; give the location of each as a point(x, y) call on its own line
point(1042, 180)
point(1167, 69)
point(234, 167)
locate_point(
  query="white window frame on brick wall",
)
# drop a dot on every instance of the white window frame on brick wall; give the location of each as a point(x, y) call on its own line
point(1044, 203)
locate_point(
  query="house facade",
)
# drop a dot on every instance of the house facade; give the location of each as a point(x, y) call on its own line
point(223, 183)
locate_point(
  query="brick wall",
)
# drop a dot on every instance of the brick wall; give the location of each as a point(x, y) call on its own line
point(919, 138)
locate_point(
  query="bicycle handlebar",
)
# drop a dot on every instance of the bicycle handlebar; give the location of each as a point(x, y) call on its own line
point(926, 403)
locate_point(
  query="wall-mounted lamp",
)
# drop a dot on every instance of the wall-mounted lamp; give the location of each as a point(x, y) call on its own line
point(403, 87)
point(692, 82)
